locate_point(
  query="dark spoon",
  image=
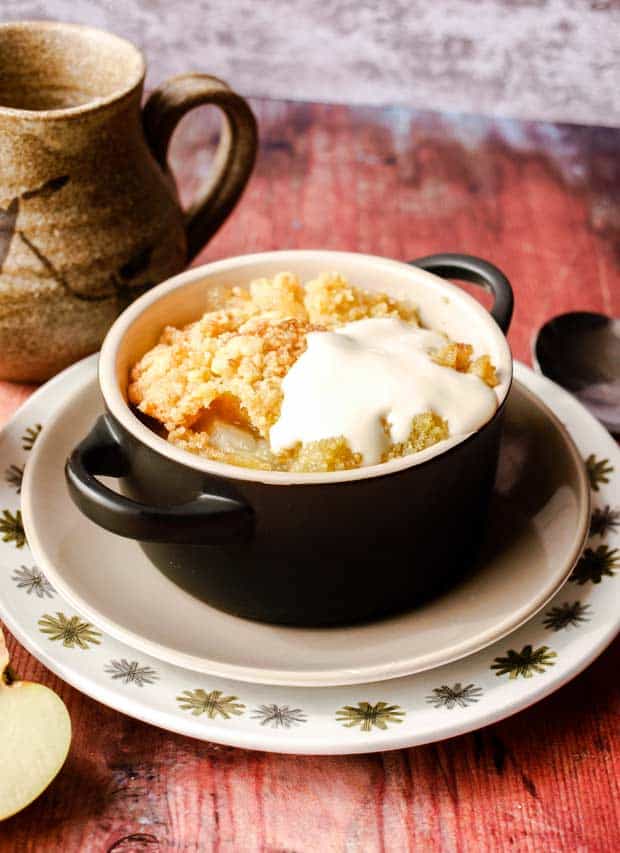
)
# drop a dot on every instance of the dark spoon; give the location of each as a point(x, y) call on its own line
point(581, 352)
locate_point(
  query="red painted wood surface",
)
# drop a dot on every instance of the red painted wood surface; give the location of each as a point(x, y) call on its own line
point(542, 202)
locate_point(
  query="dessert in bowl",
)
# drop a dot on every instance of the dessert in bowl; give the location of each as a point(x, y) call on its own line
point(303, 459)
point(321, 377)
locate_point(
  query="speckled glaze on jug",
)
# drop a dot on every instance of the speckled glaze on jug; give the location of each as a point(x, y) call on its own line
point(89, 216)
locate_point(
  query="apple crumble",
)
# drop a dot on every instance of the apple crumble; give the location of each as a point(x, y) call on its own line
point(217, 387)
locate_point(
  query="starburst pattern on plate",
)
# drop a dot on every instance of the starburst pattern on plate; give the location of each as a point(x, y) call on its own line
point(14, 475)
point(366, 715)
point(594, 565)
point(71, 631)
point(604, 520)
point(566, 615)
point(598, 471)
point(524, 663)
point(450, 697)
point(130, 672)
point(33, 581)
point(12, 528)
point(212, 704)
point(30, 436)
point(279, 716)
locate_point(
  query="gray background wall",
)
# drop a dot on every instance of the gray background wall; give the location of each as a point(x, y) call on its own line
point(549, 59)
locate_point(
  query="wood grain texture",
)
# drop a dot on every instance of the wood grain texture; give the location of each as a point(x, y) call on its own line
point(543, 203)
point(546, 59)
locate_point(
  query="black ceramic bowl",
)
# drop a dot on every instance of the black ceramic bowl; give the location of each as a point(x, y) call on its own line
point(299, 549)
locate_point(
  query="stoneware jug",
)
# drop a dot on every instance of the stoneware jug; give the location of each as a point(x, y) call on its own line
point(89, 216)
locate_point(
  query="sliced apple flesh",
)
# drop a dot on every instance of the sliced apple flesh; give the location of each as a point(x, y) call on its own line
point(35, 734)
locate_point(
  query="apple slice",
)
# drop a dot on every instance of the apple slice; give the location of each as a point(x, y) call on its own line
point(35, 734)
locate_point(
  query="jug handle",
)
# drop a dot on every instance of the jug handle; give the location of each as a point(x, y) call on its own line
point(235, 155)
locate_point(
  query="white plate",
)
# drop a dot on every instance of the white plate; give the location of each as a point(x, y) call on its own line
point(538, 525)
point(418, 709)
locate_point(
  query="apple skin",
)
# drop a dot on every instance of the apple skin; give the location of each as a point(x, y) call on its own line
point(35, 736)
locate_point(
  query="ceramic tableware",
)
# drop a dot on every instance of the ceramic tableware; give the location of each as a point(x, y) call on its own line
point(522, 668)
point(89, 215)
point(537, 526)
point(299, 549)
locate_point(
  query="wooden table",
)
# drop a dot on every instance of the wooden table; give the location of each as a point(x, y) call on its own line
point(542, 202)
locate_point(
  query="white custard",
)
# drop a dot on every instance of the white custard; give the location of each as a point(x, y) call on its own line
point(350, 380)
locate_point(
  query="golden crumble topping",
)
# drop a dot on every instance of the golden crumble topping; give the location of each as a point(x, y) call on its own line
point(331, 301)
point(216, 385)
point(458, 357)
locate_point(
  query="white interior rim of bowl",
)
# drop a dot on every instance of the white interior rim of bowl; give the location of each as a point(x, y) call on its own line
point(121, 411)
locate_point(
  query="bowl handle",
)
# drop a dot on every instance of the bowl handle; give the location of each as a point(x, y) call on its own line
point(207, 520)
point(470, 268)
